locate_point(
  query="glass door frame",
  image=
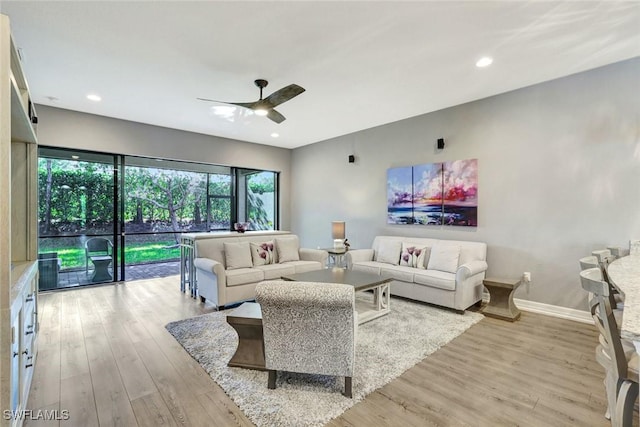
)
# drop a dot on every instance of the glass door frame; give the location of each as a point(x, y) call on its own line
point(115, 163)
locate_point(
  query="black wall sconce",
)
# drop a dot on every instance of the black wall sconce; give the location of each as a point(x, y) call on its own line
point(352, 158)
point(440, 143)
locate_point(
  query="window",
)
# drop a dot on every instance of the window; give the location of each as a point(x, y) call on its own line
point(138, 207)
point(257, 195)
point(219, 202)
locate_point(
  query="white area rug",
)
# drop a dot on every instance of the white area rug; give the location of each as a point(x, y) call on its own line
point(386, 347)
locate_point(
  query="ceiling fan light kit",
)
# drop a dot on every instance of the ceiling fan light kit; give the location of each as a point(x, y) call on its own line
point(266, 106)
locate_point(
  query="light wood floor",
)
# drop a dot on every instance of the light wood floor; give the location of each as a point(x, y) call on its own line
point(105, 356)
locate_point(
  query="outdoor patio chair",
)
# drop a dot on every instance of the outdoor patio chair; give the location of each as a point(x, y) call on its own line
point(97, 246)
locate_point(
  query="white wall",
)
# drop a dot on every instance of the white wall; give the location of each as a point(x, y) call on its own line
point(71, 129)
point(559, 175)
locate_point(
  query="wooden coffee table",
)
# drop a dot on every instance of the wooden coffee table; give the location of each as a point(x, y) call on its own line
point(361, 281)
point(247, 321)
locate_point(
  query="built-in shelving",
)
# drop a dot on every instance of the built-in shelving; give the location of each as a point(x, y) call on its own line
point(21, 126)
point(18, 233)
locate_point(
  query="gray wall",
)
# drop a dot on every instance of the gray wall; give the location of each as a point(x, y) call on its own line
point(559, 175)
point(65, 128)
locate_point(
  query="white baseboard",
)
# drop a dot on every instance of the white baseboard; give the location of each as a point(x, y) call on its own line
point(549, 310)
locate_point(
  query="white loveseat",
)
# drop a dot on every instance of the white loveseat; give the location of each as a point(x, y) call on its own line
point(222, 284)
point(444, 272)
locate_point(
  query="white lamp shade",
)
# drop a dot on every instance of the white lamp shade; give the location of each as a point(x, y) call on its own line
point(337, 229)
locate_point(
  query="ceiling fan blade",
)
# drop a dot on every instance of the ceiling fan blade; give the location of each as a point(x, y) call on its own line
point(275, 116)
point(209, 100)
point(250, 105)
point(283, 95)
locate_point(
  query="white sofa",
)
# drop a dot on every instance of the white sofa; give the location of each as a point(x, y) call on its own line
point(222, 286)
point(448, 273)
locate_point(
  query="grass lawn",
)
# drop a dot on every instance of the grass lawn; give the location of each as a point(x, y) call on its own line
point(135, 253)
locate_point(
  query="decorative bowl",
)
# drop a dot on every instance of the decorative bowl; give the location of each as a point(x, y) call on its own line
point(241, 227)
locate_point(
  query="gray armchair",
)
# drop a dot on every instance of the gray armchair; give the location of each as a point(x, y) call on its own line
point(308, 328)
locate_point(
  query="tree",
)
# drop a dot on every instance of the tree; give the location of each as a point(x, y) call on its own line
point(74, 195)
point(170, 191)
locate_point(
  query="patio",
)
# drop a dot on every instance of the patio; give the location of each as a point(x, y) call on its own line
point(69, 279)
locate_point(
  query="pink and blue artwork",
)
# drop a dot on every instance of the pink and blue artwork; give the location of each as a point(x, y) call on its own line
point(427, 194)
point(434, 194)
point(460, 193)
point(400, 195)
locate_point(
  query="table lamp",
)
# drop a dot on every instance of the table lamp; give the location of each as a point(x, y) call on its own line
point(337, 229)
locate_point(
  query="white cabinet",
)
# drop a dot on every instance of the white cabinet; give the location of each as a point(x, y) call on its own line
point(18, 232)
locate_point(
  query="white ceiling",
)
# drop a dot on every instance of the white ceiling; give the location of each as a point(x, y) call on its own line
point(363, 64)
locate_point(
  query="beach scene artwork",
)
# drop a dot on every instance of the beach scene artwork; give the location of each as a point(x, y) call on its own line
point(427, 194)
point(460, 193)
point(400, 195)
point(434, 194)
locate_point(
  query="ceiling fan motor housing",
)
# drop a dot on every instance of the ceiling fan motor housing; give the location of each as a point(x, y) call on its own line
point(261, 83)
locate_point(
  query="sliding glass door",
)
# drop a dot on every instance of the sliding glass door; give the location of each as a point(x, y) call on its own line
point(78, 218)
point(108, 217)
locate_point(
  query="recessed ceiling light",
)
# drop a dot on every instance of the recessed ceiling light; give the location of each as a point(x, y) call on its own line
point(94, 97)
point(275, 135)
point(261, 112)
point(485, 61)
point(75, 157)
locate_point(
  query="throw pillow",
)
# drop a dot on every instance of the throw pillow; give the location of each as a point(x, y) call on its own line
point(262, 253)
point(444, 258)
point(413, 256)
point(237, 255)
point(287, 250)
point(389, 253)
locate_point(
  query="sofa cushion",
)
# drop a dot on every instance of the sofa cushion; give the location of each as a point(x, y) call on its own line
point(389, 252)
point(304, 266)
point(436, 279)
point(372, 267)
point(237, 255)
point(398, 272)
point(212, 249)
point(263, 253)
point(287, 250)
point(276, 271)
point(414, 256)
point(444, 257)
point(241, 276)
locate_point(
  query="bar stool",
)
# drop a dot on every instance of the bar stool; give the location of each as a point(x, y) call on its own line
point(615, 355)
point(603, 255)
point(589, 262)
point(604, 258)
point(614, 299)
point(618, 252)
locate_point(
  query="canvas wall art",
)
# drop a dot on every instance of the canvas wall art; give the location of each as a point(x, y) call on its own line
point(399, 195)
point(460, 193)
point(427, 193)
point(434, 194)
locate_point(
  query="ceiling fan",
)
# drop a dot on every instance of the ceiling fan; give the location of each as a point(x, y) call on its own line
point(266, 106)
